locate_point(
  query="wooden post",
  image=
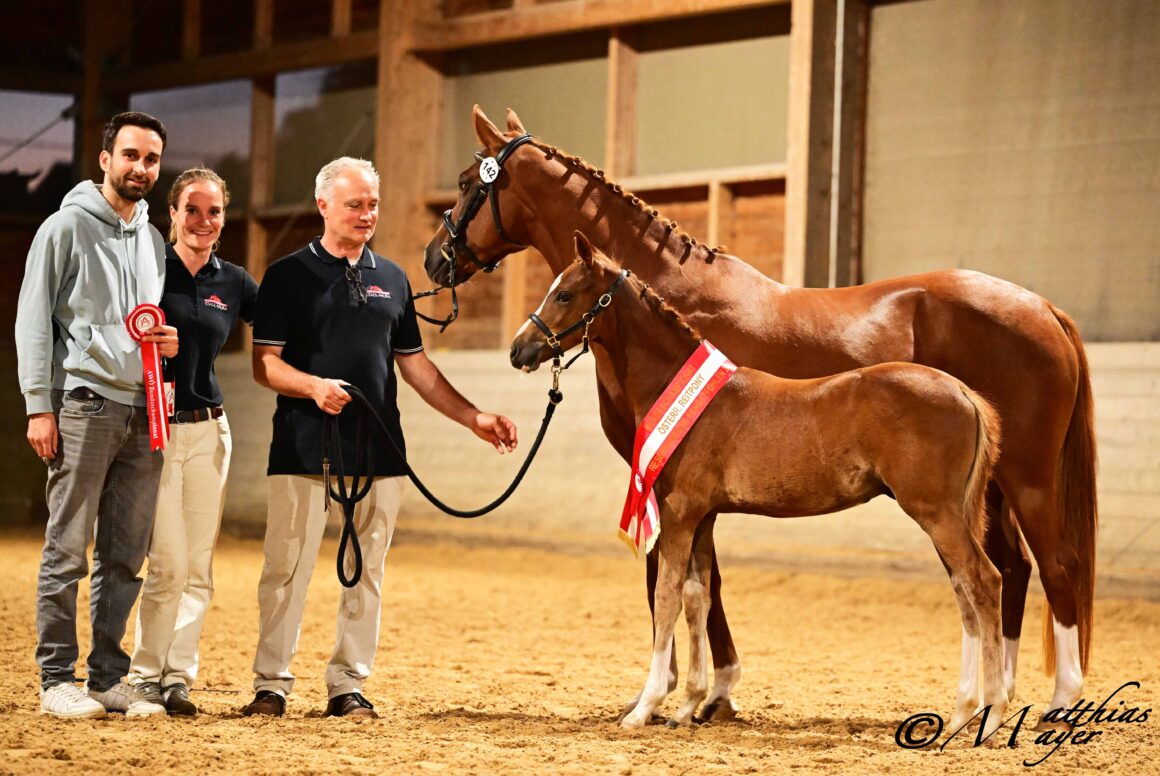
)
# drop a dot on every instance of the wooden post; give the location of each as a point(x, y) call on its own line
point(809, 155)
point(261, 172)
point(191, 30)
point(105, 36)
point(847, 237)
point(340, 18)
point(720, 214)
point(515, 285)
point(620, 120)
point(263, 24)
point(407, 132)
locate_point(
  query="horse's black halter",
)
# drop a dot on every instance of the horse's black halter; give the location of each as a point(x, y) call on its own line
point(554, 340)
point(489, 172)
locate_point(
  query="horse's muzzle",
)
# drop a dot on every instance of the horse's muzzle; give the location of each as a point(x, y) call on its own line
point(435, 263)
point(527, 356)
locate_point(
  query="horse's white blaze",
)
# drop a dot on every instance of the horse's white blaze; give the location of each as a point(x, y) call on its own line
point(1068, 674)
point(540, 309)
point(1010, 658)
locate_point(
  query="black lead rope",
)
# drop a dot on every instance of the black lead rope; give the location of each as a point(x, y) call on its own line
point(332, 440)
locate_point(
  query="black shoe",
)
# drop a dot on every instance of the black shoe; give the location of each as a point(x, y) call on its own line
point(266, 704)
point(350, 705)
point(177, 701)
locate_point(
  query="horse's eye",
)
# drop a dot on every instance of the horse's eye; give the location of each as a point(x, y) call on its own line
point(463, 185)
point(564, 297)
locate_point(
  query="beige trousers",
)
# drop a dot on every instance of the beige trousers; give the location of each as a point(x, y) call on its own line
point(179, 585)
point(294, 526)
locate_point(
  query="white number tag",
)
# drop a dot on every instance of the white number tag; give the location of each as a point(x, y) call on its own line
point(488, 169)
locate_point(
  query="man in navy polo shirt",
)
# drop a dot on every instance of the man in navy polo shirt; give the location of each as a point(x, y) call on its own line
point(333, 314)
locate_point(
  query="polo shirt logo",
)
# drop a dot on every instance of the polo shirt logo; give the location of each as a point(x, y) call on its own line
point(215, 301)
point(378, 292)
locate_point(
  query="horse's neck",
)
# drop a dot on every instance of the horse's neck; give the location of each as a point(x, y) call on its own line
point(644, 348)
point(566, 198)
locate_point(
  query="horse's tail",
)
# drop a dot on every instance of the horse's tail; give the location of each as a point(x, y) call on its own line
point(987, 439)
point(1076, 489)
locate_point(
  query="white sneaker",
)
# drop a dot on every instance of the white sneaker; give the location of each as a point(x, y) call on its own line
point(68, 701)
point(124, 697)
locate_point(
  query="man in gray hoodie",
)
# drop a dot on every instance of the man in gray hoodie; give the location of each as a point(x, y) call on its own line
point(90, 265)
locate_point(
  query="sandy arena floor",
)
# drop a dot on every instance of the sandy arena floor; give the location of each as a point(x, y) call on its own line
point(498, 660)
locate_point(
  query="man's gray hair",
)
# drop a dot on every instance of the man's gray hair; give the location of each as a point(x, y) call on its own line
point(324, 181)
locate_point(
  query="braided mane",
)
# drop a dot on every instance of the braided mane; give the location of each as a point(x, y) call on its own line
point(661, 307)
point(595, 173)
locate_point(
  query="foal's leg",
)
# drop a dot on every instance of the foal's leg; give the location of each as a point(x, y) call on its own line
point(650, 579)
point(1007, 550)
point(726, 664)
point(978, 590)
point(673, 549)
point(696, 600)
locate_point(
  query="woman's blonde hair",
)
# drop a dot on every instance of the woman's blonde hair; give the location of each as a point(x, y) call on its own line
point(193, 175)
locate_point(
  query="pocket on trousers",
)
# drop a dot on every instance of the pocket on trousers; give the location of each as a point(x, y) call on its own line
point(80, 406)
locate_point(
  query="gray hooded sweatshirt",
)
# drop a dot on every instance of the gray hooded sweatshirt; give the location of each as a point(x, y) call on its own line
point(87, 269)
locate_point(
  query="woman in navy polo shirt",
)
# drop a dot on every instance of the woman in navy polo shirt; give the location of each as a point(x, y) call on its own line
point(204, 296)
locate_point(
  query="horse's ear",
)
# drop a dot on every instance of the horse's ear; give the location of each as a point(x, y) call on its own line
point(583, 247)
point(488, 133)
point(514, 123)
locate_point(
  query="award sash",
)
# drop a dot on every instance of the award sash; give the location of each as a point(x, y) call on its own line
point(666, 423)
point(143, 318)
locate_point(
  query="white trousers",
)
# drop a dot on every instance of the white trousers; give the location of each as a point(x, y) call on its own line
point(294, 526)
point(179, 585)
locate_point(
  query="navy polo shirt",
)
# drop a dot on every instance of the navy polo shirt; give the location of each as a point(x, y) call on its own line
point(307, 307)
point(203, 308)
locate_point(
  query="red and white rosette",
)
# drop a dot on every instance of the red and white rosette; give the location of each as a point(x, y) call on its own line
point(143, 318)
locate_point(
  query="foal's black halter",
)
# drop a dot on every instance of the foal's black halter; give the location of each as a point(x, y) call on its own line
point(489, 172)
point(554, 340)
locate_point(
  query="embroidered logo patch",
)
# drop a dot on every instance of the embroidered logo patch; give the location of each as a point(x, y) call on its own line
point(378, 292)
point(215, 301)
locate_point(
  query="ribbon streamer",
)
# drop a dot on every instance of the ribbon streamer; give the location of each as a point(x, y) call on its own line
point(143, 318)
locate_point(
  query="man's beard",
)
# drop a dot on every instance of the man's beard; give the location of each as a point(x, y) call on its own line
point(128, 194)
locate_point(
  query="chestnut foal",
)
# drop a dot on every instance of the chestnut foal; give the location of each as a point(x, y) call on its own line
point(783, 448)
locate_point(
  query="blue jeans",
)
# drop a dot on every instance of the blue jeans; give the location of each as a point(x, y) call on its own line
point(104, 475)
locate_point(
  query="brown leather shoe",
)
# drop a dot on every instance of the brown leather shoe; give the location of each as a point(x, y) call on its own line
point(267, 704)
point(350, 705)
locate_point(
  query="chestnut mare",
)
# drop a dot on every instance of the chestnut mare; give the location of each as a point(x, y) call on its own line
point(778, 447)
point(1012, 346)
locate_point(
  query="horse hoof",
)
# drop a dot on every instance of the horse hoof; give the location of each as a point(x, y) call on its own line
point(672, 724)
point(1055, 725)
point(717, 711)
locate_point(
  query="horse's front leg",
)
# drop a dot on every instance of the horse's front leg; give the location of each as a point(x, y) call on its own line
point(673, 549)
point(650, 580)
point(696, 601)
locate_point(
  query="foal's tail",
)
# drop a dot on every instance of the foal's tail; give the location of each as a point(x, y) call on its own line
point(987, 440)
point(1076, 488)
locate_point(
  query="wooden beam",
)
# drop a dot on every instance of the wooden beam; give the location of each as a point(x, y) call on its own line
point(620, 120)
point(191, 30)
point(30, 79)
point(340, 18)
point(565, 16)
point(262, 135)
point(809, 152)
point(248, 64)
point(847, 238)
point(263, 24)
